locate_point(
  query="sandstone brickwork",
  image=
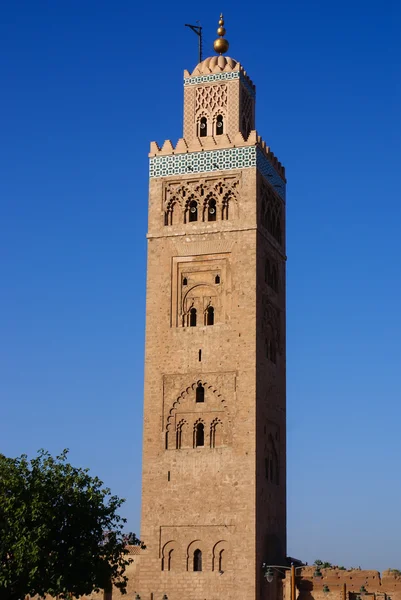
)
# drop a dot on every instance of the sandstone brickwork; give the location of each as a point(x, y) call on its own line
point(214, 477)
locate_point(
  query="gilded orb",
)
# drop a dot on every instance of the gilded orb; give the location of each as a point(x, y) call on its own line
point(221, 45)
point(221, 31)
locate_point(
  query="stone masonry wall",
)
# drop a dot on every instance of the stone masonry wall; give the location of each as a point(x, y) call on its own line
point(311, 588)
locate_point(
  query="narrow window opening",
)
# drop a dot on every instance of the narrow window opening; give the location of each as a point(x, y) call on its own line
point(200, 355)
point(198, 560)
point(199, 435)
point(217, 279)
point(168, 475)
point(219, 125)
point(185, 281)
point(200, 392)
point(193, 211)
point(203, 127)
point(192, 317)
point(210, 315)
point(211, 212)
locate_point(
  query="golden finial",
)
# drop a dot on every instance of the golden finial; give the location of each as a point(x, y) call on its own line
point(221, 45)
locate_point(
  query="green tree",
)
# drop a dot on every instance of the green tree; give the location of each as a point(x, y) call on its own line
point(323, 565)
point(60, 531)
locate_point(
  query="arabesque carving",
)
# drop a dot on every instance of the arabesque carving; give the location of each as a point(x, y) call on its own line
point(178, 197)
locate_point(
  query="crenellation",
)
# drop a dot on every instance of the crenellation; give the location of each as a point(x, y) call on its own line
point(184, 146)
point(167, 148)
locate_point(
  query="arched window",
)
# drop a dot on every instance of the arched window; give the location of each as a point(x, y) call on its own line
point(168, 557)
point(211, 210)
point(203, 127)
point(219, 558)
point(200, 393)
point(185, 281)
point(219, 125)
point(198, 560)
point(192, 317)
point(180, 435)
point(168, 214)
point(210, 315)
point(199, 435)
point(193, 211)
point(216, 434)
point(217, 279)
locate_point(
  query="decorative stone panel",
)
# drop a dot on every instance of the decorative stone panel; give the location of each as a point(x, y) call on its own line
point(194, 286)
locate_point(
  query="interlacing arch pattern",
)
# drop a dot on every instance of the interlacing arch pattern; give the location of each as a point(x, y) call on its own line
point(176, 435)
point(271, 211)
point(211, 97)
point(192, 201)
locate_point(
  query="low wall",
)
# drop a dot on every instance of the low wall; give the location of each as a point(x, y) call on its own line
point(338, 584)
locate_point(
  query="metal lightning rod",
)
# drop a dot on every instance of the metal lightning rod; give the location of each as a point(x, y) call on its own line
point(198, 30)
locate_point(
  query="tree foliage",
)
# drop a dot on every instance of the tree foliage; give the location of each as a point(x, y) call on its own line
point(322, 564)
point(60, 531)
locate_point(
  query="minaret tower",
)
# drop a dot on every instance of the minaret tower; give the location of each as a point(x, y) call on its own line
point(214, 453)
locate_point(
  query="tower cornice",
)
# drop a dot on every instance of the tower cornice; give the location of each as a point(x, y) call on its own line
point(219, 68)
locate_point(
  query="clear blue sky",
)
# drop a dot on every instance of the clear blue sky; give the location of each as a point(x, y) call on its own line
point(85, 86)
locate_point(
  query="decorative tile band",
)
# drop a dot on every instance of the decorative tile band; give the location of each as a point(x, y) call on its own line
point(220, 77)
point(225, 159)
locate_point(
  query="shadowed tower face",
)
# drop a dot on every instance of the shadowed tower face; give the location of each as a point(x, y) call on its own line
point(214, 500)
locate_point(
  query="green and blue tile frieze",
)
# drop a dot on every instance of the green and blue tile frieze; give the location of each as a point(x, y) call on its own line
point(224, 159)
